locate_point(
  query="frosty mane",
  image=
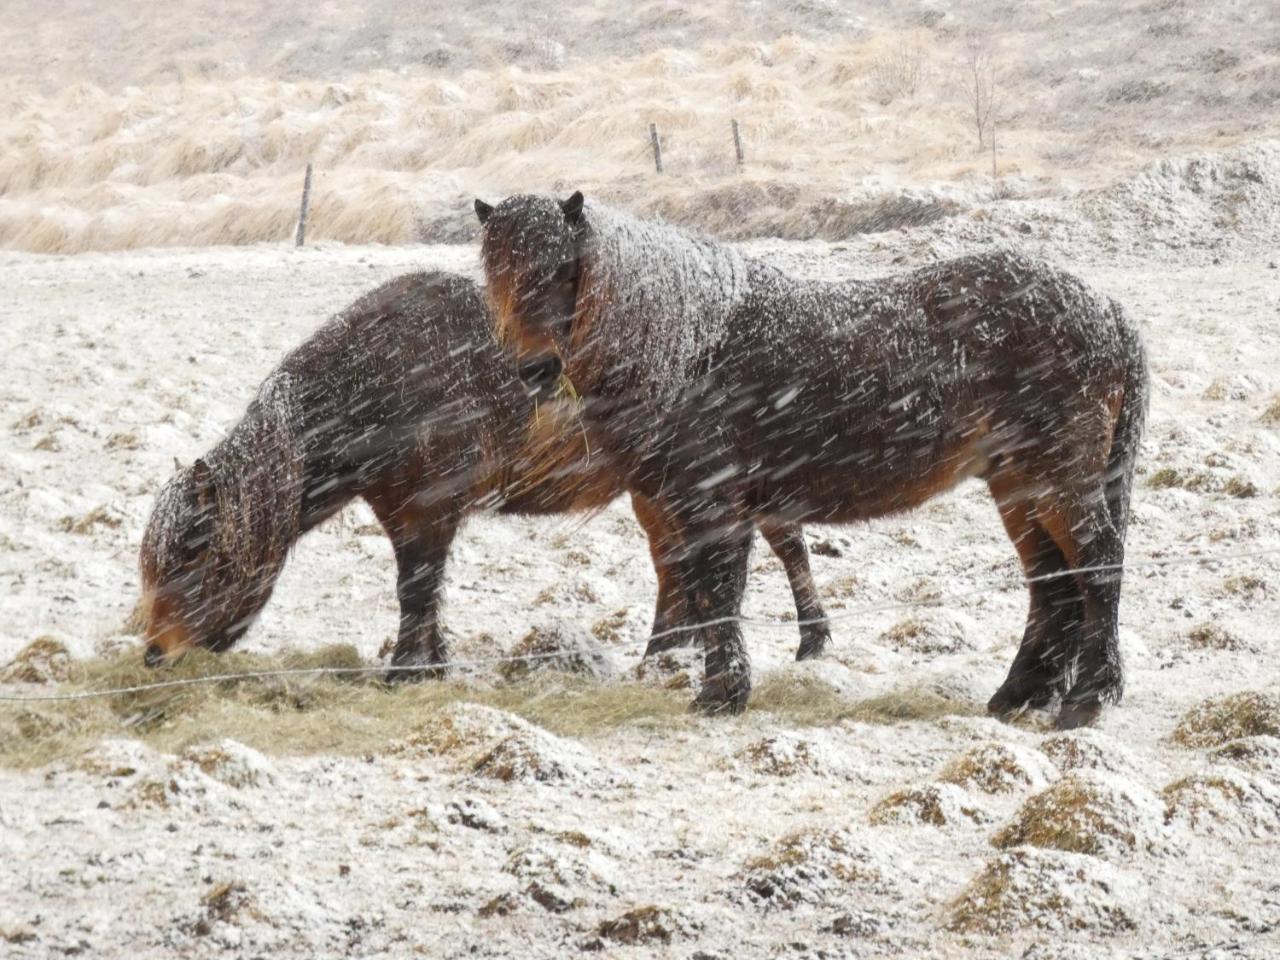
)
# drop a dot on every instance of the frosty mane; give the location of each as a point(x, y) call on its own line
point(652, 293)
point(255, 513)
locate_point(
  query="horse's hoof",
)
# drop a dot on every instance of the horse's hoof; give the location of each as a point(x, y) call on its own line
point(813, 642)
point(1076, 714)
point(669, 642)
point(1014, 698)
point(414, 672)
point(723, 695)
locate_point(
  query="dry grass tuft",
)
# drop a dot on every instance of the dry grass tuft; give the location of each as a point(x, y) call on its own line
point(803, 700)
point(346, 715)
point(1084, 814)
point(810, 866)
point(43, 660)
point(1214, 722)
point(1196, 481)
point(783, 755)
point(1088, 750)
point(1047, 890)
point(1225, 797)
point(98, 516)
point(928, 633)
point(1260, 754)
point(997, 768)
point(1240, 488)
point(648, 924)
point(559, 648)
point(1212, 636)
point(936, 804)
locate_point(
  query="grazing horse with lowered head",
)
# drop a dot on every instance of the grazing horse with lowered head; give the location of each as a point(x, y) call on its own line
point(724, 388)
point(406, 400)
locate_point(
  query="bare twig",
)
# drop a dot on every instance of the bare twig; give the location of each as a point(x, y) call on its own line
point(979, 83)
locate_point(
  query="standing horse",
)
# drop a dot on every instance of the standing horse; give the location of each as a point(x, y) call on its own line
point(724, 388)
point(406, 400)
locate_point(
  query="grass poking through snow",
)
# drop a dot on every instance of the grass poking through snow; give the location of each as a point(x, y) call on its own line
point(358, 714)
point(351, 715)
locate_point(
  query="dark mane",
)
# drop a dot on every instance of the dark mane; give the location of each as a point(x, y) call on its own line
point(248, 524)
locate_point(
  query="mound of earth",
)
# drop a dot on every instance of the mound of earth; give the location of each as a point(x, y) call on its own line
point(1217, 720)
point(1049, 890)
point(1222, 799)
point(558, 647)
point(1259, 754)
point(1092, 813)
point(230, 763)
point(43, 660)
point(784, 755)
point(812, 866)
point(935, 804)
point(558, 880)
point(532, 755)
point(930, 632)
point(461, 730)
point(1089, 749)
point(999, 768)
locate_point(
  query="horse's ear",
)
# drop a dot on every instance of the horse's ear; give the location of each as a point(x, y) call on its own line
point(573, 207)
point(482, 210)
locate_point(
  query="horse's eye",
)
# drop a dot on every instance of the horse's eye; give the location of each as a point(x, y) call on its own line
point(565, 272)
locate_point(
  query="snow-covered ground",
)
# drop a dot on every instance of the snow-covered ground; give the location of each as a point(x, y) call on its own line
point(488, 836)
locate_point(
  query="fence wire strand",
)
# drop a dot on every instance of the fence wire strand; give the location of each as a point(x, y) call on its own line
point(992, 586)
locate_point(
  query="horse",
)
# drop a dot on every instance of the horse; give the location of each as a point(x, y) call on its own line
point(723, 387)
point(406, 400)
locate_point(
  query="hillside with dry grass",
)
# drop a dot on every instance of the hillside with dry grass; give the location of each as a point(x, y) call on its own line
point(146, 126)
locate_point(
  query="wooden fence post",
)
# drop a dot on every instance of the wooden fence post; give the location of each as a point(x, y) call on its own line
point(737, 144)
point(657, 147)
point(301, 237)
point(994, 176)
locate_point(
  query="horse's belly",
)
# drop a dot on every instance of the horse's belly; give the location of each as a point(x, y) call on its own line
point(868, 483)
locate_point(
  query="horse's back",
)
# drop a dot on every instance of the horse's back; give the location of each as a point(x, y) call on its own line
point(403, 351)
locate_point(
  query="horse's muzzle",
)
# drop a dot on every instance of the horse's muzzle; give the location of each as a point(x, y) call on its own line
point(541, 376)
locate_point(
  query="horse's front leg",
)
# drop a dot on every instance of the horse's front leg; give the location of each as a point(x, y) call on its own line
point(787, 542)
point(715, 569)
point(421, 539)
point(671, 609)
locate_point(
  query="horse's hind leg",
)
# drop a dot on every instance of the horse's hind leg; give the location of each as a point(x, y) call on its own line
point(787, 542)
point(1054, 617)
point(421, 539)
point(1083, 529)
point(671, 609)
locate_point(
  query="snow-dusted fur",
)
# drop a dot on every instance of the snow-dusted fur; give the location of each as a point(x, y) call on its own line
point(728, 388)
point(405, 400)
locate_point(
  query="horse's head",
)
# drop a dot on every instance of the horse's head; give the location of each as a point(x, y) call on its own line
point(194, 593)
point(532, 251)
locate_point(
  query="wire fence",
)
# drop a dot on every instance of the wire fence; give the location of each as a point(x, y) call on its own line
point(992, 586)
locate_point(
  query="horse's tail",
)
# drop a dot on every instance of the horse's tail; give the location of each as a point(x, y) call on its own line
point(1123, 458)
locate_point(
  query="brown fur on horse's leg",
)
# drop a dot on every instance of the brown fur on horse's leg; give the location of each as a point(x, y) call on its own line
point(1088, 538)
point(1049, 642)
point(787, 542)
point(671, 609)
point(421, 539)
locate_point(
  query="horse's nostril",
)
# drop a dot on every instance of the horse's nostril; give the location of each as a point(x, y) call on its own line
point(153, 656)
point(540, 373)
